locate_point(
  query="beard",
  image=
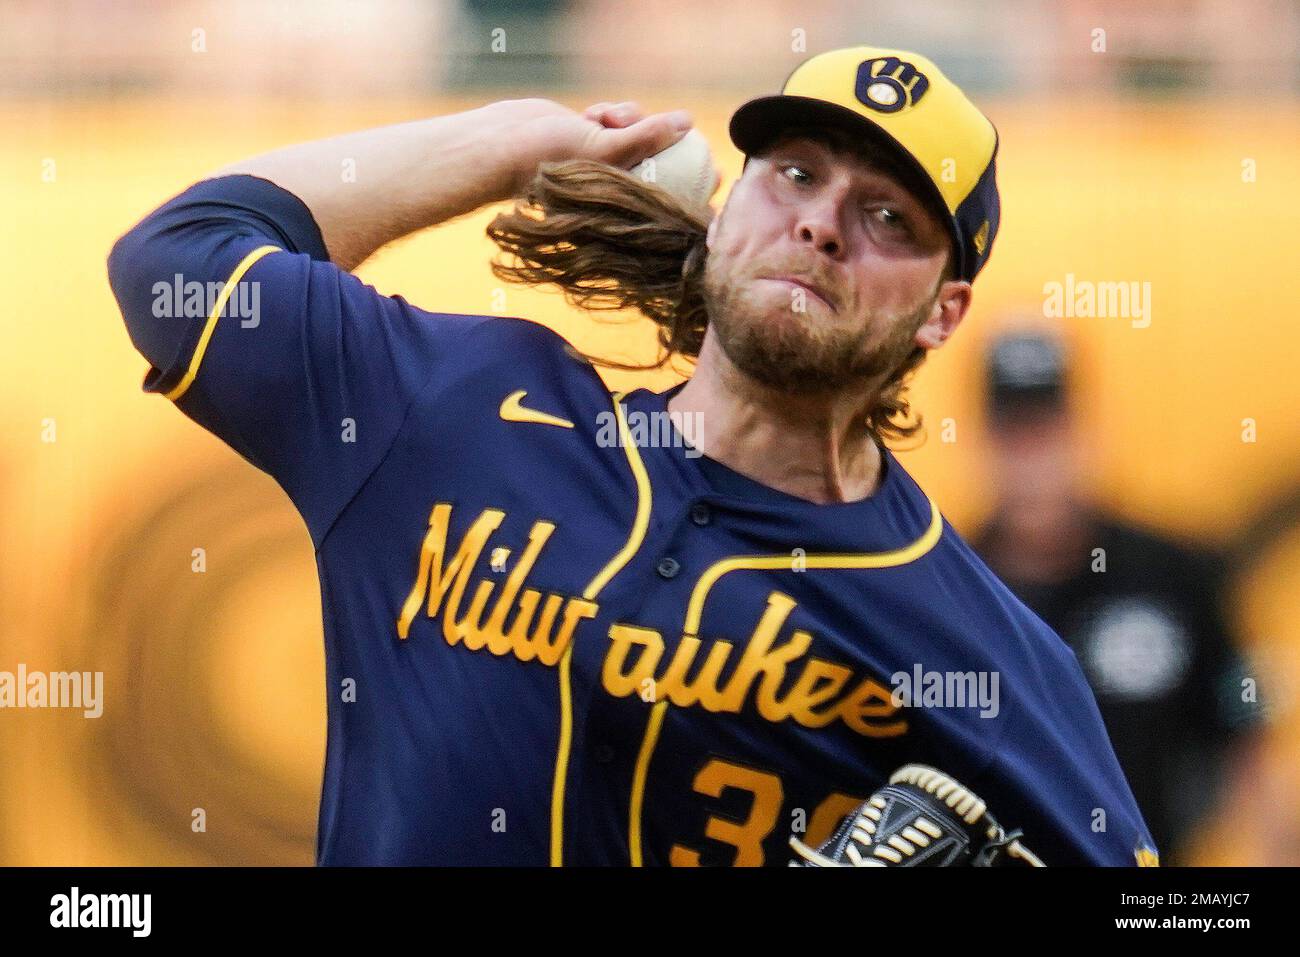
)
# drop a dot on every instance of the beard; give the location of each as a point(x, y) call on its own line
point(795, 353)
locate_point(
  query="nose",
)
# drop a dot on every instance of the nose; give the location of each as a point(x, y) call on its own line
point(819, 225)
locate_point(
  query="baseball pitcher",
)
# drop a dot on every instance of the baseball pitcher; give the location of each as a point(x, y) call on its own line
point(719, 624)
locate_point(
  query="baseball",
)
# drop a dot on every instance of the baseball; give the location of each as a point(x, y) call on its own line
point(685, 169)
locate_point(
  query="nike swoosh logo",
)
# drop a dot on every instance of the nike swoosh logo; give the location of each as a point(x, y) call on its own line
point(513, 411)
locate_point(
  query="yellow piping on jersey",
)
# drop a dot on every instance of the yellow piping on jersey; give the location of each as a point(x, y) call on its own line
point(638, 780)
point(635, 537)
point(210, 326)
point(695, 611)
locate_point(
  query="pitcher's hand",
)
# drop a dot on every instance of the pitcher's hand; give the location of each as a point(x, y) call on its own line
point(619, 134)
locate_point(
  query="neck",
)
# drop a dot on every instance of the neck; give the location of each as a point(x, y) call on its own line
point(814, 447)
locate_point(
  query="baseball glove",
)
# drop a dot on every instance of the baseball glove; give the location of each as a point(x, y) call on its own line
point(921, 818)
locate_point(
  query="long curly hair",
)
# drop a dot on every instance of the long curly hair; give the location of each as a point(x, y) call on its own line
point(610, 241)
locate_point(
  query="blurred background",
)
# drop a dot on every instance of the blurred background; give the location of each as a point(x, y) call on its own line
point(1145, 148)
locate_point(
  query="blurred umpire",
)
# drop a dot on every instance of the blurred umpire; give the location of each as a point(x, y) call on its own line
point(1142, 612)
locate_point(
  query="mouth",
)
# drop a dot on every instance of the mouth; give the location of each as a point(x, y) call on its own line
point(795, 281)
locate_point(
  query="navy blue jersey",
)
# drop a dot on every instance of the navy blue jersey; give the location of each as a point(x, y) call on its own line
point(554, 631)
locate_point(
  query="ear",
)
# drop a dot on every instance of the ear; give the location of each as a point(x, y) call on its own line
point(950, 307)
point(713, 228)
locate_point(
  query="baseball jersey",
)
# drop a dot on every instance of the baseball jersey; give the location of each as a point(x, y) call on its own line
point(557, 633)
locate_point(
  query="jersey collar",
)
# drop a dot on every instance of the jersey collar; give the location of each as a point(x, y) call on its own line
point(896, 514)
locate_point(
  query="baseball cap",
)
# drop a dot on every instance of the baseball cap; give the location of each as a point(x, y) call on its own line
point(1025, 368)
point(901, 101)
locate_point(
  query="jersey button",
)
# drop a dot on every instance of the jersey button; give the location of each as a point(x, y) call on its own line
point(700, 514)
point(668, 567)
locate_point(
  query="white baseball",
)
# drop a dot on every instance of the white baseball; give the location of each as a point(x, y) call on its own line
point(685, 170)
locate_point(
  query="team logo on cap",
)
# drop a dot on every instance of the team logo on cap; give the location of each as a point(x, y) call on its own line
point(887, 84)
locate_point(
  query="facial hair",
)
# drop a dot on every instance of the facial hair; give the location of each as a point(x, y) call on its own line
point(799, 357)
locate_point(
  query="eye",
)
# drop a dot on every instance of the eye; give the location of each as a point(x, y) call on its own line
point(888, 217)
point(800, 175)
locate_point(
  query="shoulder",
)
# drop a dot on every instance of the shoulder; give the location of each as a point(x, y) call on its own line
point(966, 591)
point(525, 365)
point(475, 345)
point(990, 602)
point(503, 340)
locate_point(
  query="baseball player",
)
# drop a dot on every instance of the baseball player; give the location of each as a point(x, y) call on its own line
point(561, 625)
